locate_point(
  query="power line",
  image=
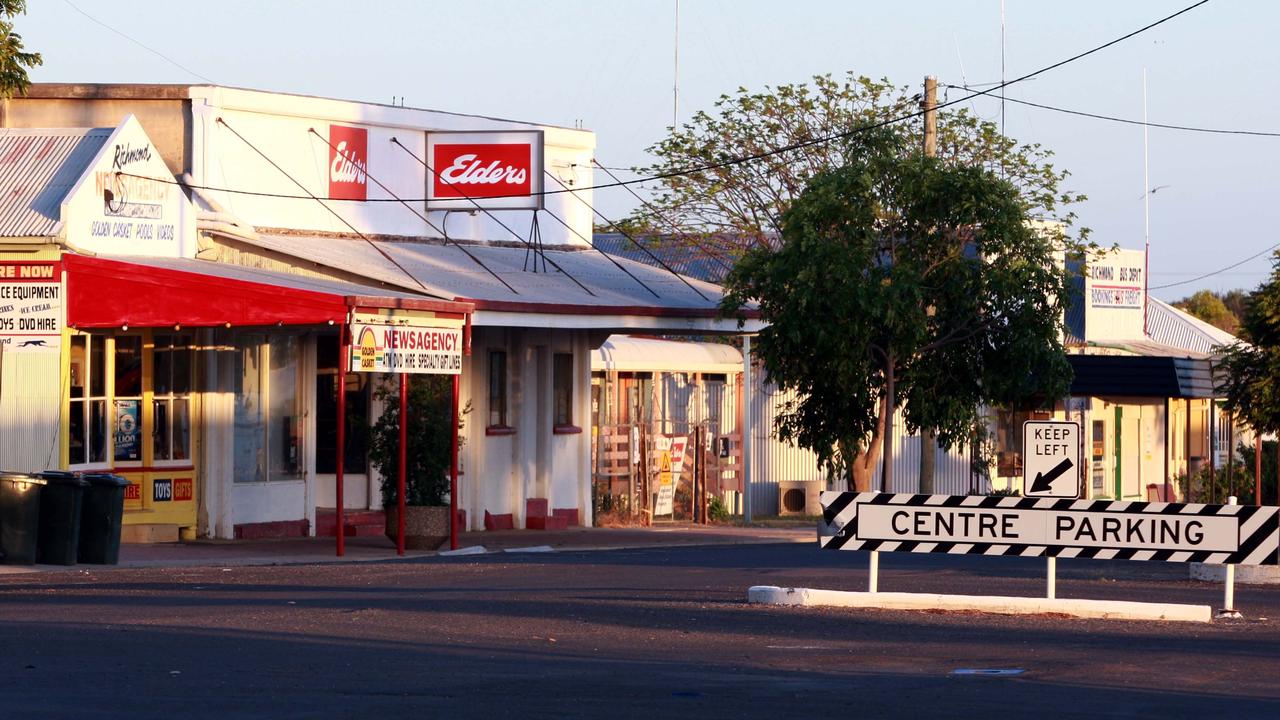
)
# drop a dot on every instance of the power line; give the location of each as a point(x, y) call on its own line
point(1216, 272)
point(1127, 121)
point(151, 50)
point(804, 143)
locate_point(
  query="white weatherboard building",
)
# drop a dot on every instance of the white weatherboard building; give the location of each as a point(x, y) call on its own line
point(301, 212)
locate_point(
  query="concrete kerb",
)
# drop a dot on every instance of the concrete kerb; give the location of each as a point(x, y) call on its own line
point(1098, 609)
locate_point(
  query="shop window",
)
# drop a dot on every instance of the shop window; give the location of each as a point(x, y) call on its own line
point(1009, 439)
point(88, 395)
point(268, 428)
point(171, 402)
point(357, 388)
point(562, 392)
point(497, 389)
point(127, 429)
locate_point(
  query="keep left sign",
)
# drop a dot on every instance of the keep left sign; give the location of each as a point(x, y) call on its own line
point(1051, 459)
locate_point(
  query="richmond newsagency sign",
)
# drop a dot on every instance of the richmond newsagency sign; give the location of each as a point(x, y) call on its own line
point(1102, 529)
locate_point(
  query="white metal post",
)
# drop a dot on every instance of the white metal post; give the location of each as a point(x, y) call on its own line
point(873, 579)
point(1052, 590)
point(1229, 590)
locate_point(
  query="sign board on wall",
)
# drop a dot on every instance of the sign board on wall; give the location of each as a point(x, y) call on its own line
point(348, 163)
point(31, 309)
point(995, 525)
point(406, 348)
point(128, 201)
point(497, 170)
point(1115, 295)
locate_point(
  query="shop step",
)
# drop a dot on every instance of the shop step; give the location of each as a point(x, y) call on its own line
point(356, 523)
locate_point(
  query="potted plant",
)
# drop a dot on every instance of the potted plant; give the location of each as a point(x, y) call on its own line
point(427, 456)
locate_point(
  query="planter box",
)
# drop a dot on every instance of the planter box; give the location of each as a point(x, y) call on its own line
point(425, 527)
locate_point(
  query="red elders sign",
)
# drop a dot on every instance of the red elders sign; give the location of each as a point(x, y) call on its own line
point(482, 170)
point(348, 163)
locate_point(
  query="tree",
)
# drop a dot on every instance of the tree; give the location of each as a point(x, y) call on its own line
point(1251, 367)
point(14, 60)
point(903, 280)
point(1209, 307)
point(747, 200)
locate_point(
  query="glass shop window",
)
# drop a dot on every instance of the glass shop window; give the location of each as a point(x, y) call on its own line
point(562, 389)
point(497, 388)
point(171, 400)
point(127, 428)
point(88, 395)
point(268, 426)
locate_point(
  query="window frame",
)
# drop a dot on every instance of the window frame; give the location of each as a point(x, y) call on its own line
point(497, 398)
point(562, 386)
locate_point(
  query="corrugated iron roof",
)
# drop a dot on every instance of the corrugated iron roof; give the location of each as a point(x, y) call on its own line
point(446, 272)
point(626, 353)
point(38, 167)
point(1168, 325)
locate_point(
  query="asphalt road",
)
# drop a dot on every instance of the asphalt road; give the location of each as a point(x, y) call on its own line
point(618, 634)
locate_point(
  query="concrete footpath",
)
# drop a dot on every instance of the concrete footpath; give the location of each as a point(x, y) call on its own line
point(300, 551)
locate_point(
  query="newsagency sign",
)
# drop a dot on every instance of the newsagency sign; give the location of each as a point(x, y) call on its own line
point(406, 348)
point(1101, 529)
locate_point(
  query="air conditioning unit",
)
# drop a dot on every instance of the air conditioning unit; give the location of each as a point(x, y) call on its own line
point(797, 497)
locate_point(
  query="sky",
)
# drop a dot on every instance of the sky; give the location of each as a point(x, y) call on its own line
point(610, 66)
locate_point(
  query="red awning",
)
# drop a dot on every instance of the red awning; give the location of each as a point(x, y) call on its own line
point(112, 293)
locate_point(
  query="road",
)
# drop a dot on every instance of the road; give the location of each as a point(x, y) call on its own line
point(618, 634)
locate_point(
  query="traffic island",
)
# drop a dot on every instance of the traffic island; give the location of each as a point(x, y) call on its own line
point(1096, 609)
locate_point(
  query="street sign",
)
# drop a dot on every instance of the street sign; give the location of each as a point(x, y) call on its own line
point(1051, 459)
point(998, 525)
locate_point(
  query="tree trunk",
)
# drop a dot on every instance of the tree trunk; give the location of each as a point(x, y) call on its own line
point(862, 465)
point(928, 451)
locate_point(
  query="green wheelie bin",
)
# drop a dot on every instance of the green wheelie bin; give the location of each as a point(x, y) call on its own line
point(19, 517)
point(58, 539)
point(101, 518)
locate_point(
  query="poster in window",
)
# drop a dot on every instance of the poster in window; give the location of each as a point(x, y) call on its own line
point(128, 430)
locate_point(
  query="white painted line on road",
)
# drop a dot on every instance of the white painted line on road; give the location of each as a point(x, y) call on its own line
point(1103, 609)
point(470, 550)
point(989, 672)
point(531, 549)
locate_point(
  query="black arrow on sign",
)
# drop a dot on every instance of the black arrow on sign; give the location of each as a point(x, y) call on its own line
point(1044, 481)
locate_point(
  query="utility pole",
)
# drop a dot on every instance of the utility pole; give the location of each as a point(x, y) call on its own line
point(928, 438)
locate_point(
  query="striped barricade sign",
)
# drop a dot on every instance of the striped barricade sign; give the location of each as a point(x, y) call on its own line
point(1029, 527)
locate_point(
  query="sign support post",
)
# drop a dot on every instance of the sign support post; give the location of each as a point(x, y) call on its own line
point(1229, 587)
point(401, 476)
point(873, 578)
point(341, 439)
point(1052, 590)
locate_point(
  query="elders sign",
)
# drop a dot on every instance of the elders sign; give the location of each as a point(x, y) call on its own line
point(492, 170)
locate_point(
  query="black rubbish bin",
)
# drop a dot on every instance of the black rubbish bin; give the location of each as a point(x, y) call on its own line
point(59, 536)
point(101, 517)
point(19, 517)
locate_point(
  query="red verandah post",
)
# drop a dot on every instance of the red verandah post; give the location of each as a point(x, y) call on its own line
point(400, 480)
point(344, 356)
point(453, 473)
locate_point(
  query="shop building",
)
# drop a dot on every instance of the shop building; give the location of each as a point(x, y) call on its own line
point(331, 209)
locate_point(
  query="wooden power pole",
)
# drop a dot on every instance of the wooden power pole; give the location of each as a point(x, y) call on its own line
point(928, 438)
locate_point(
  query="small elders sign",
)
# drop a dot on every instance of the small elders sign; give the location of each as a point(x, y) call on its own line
point(406, 349)
point(348, 163)
point(493, 170)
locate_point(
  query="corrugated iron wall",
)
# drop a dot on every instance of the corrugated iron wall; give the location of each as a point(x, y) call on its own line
point(774, 461)
point(30, 404)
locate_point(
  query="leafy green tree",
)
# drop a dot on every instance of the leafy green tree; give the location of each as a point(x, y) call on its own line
point(903, 280)
point(746, 201)
point(1209, 307)
point(14, 59)
point(1251, 367)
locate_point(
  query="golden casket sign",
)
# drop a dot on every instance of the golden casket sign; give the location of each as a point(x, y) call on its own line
point(406, 347)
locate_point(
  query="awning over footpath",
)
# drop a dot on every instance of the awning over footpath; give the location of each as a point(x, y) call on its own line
point(624, 353)
point(107, 292)
point(578, 288)
point(1144, 369)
